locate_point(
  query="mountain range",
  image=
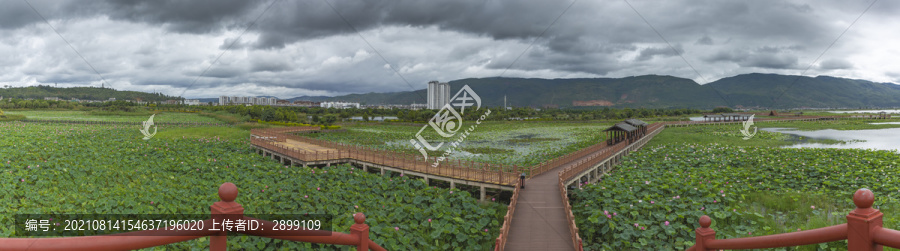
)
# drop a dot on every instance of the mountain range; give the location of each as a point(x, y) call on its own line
point(755, 90)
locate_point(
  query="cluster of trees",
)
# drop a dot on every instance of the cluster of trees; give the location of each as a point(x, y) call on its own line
point(83, 93)
point(37, 104)
point(329, 116)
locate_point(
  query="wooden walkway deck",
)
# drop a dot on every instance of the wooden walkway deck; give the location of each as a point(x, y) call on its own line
point(540, 221)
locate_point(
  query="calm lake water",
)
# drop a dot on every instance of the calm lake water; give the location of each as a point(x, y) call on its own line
point(879, 139)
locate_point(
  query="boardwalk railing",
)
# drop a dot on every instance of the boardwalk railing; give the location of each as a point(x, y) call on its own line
point(863, 232)
point(467, 170)
point(221, 210)
point(555, 162)
point(615, 152)
point(511, 209)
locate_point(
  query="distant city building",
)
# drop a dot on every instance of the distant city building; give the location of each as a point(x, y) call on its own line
point(306, 103)
point(438, 94)
point(415, 106)
point(50, 98)
point(225, 100)
point(192, 102)
point(339, 105)
point(112, 99)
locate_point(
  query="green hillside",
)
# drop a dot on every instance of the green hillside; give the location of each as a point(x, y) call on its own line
point(653, 91)
point(822, 91)
point(82, 93)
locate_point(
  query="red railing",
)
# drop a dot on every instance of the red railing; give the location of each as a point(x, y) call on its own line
point(584, 164)
point(510, 210)
point(467, 170)
point(556, 162)
point(863, 231)
point(226, 208)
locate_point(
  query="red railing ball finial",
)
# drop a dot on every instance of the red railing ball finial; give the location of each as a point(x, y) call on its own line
point(359, 218)
point(228, 192)
point(705, 221)
point(863, 198)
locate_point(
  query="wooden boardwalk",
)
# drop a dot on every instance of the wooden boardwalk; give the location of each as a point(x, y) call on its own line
point(540, 221)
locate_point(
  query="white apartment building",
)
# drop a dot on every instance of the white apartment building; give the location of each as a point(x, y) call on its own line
point(438, 94)
point(225, 100)
point(339, 105)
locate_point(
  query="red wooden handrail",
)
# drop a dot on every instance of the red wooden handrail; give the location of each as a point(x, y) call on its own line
point(476, 171)
point(807, 237)
point(887, 237)
point(863, 231)
point(314, 236)
point(227, 208)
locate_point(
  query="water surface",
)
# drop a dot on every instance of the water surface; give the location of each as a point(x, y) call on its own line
point(879, 139)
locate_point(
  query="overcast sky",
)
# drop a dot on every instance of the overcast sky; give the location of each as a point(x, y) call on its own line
point(303, 47)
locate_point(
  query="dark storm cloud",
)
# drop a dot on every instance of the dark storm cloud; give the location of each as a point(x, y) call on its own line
point(195, 16)
point(304, 44)
point(17, 14)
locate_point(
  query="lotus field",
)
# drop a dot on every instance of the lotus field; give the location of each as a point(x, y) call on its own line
point(654, 199)
point(58, 168)
point(161, 117)
point(506, 143)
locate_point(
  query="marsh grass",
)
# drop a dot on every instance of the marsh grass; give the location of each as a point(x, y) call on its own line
point(487, 150)
point(141, 113)
point(8, 117)
point(204, 132)
point(530, 140)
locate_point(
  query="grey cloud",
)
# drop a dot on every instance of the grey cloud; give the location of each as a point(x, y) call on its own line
point(727, 55)
point(770, 61)
point(705, 40)
point(289, 44)
point(768, 57)
point(271, 65)
point(649, 53)
point(196, 16)
point(835, 64)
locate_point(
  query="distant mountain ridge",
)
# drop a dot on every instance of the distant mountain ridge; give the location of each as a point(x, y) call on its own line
point(755, 90)
point(82, 93)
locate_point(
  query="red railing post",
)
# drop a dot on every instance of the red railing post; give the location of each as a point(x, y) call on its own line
point(226, 208)
point(704, 233)
point(361, 230)
point(862, 222)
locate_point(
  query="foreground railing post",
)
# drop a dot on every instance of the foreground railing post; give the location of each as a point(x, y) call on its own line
point(362, 230)
point(704, 233)
point(862, 222)
point(224, 209)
